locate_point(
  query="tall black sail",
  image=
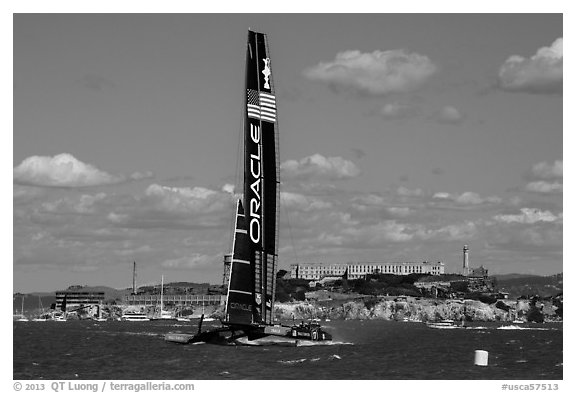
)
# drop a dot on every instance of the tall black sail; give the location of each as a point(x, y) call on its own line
point(239, 304)
point(261, 175)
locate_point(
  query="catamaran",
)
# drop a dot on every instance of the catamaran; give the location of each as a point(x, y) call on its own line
point(249, 314)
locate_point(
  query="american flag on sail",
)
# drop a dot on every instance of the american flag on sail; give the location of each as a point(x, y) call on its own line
point(261, 106)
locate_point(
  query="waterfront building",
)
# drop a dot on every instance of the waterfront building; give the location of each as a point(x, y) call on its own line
point(78, 298)
point(174, 300)
point(355, 270)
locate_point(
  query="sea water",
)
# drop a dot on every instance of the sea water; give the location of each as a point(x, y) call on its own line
point(361, 350)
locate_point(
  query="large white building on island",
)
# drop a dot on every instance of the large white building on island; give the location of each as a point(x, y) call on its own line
point(317, 271)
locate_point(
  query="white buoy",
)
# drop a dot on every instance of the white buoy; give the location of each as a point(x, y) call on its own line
point(480, 358)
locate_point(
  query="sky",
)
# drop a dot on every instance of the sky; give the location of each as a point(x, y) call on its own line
point(403, 137)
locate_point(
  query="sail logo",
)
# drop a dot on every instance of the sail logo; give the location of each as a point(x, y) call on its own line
point(261, 106)
point(255, 204)
point(240, 306)
point(266, 73)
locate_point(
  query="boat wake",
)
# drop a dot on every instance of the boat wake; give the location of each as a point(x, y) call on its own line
point(322, 343)
point(303, 360)
point(292, 361)
point(150, 334)
point(515, 327)
point(286, 342)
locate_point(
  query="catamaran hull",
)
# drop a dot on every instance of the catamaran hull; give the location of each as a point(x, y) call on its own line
point(220, 336)
point(254, 336)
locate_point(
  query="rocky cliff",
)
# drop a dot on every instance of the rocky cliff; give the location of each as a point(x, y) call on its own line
point(414, 309)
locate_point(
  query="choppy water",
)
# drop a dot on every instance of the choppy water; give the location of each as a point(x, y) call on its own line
point(361, 350)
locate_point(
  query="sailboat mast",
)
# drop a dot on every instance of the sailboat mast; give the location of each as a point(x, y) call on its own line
point(261, 173)
point(161, 296)
point(134, 279)
point(250, 298)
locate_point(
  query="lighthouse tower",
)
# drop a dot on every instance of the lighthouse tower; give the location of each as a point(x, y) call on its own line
point(465, 262)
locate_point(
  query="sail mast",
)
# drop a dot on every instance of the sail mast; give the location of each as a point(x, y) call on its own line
point(161, 296)
point(134, 279)
point(261, 172)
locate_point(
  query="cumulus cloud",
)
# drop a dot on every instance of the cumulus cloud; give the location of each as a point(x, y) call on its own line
point(460, 231)
point(376, 73)
point(467, 198)
point(473, 198)
point(393, 231)
point(543, 187)
point(85, 204)
point(534, 230)
point(528, 216)
point(403, 191)
point(117, 218)
point(549, 178)
point(442, 195)
point(544, 170)
point(333, 168)
point(228, 188)
point(25, 194)
point(376, 207)
point(368, 200)
point(449, 115)
point(64, 170)
point(395, 110)
point(541, 73)
point(186, 200)
point(179, 208)
point(141, 175)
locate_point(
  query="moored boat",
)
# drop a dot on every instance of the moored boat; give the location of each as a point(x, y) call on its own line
point(21, 317)
point(445, 324)
point(41, 318)
point(163, 315)
point(59, 318)
point(135, 317)
point(518, 321)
